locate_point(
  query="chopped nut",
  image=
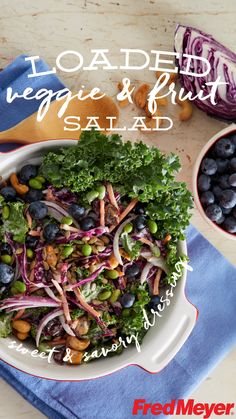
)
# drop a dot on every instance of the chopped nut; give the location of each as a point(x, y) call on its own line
point(77, 344)
point(140, 95)
point(82, 327)
point(93, 240)
point(105, 239)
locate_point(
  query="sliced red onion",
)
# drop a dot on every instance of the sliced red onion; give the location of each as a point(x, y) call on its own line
point(117, 238)
point(159, 262)
point(145, 272)
point(57, 212)
point(27, 302)
point(66, 327)
point(51, 294)
point(44, 322)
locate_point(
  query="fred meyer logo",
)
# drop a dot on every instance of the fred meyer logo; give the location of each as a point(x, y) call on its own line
point(182, 407)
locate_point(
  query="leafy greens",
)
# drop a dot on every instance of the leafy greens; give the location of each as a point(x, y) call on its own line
point(134, 169)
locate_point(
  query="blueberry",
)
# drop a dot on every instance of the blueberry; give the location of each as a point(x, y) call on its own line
point(208, 166)
point(228, 198)
point(221, 220)
point(140, 222)
point(224, 148)
point(230, 224)
point(233, 139)
point(139, 209)
point(59, 355)
point(31, 241)
point(204, 183)
point(76, 211)
point(154, 302)
point(6, 274)
point(8, 193)
point(217, 191)
point(34, 195)
point(6, 249)
point(87, 223)
point(28, 172)
point(224, 182)
point(38, 210)
point(214, 212)
point(132, 270)
point(222, 165)
point(127, 300)
point(207, 198)
point(232, 179)
point(232, 164)
point(50, 232)
point(53, 328)
point(226, 211)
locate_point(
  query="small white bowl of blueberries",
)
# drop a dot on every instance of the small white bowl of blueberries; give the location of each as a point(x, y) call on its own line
point(214, 182)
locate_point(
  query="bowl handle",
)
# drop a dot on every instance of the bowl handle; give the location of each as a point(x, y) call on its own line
point(155, 360)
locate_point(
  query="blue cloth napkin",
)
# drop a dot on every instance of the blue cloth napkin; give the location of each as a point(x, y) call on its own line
point(212, 289)
point(15, 75)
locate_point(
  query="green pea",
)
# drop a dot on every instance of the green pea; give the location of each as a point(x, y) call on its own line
point(114, 296)
point(41, 179)
point(43, 347)
point(113, 274)
point(102, 191)
point(67, 250)
point(155, 251)
point(86, 249)
point(128, 228)
point(67, 220)
point(35, 184)
point(5, 212)
point(104, 295)
point(18, 287)
point(6, 259)
point(29, 253)
point(152, 225)
point(125, 312)
point(90, 196)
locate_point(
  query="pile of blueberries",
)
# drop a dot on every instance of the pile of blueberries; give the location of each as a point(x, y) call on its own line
point(217, 183)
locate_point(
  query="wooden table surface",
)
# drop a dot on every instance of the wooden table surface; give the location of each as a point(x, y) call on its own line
point(49, 27)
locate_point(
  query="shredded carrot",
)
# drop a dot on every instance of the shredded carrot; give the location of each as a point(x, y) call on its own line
point(50, 196)
point(145, 241)
point(19, 314)
point(102, 213)
point(125, 212)
point(167, 239)
point(29, 219)
point(85, 305)
point(124, 254)
point(112, 196)
point(66, 309)
point(34, 233)
point(56, 342)
point(157, 282)
point(31, 276)
point(113, 262)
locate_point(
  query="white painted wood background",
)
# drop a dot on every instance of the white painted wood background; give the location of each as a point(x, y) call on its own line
point(49, 27)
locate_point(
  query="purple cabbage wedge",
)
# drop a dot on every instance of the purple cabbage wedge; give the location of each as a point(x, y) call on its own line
point(223, 63)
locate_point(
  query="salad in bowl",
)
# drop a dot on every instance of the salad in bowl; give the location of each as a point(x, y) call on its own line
point(88, 241)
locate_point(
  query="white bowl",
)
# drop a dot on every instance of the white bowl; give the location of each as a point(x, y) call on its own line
point(223, 133)
point(160, 344)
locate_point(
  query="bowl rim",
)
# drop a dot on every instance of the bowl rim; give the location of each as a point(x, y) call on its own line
point(225, 131)
point(193, 311)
